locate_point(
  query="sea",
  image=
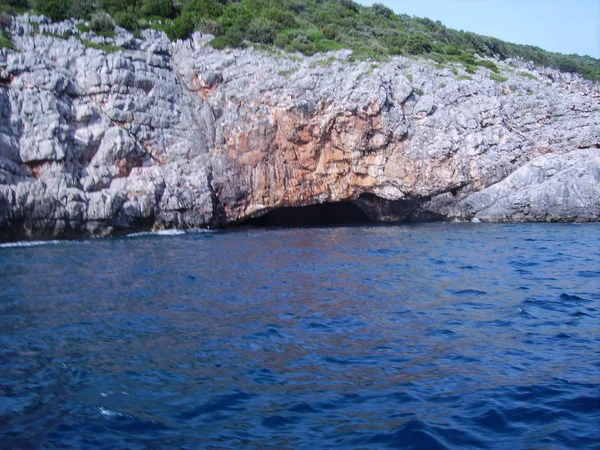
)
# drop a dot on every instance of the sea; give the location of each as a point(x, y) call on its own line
point(421, 336)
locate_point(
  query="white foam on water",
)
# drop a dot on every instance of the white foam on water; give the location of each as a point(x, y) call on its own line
point(110, 413)
point(171, 232)
point(200, 230)
point(29, 243)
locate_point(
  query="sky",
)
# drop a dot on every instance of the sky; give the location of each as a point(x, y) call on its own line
point(565, 26)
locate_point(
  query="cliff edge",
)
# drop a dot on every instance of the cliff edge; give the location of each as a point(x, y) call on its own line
point(105, 135)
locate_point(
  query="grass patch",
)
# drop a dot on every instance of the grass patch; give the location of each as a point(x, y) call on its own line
point(470, 69)
point(6, 42)
point(328, 45)
point(464, 77)
point(497, 77)
point(528, 75)
point(286, 72)
point(65, 35)
point(322, 62)
point(82, 27)
point(107, 33)
point(419, 91)
point(104, 47)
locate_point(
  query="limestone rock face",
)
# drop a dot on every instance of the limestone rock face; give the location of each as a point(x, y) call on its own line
point(163, 134)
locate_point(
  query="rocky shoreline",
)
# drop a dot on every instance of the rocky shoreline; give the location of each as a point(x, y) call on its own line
point(155, 135)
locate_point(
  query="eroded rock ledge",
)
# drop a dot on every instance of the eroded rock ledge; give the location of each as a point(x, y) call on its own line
point(163, 135)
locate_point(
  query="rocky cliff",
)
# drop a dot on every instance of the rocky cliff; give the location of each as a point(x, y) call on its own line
point(154, 134)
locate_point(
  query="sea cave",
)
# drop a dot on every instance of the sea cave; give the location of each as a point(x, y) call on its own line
point(322, 214)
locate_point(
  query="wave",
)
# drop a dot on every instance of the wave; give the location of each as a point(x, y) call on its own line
point(29, 243)
point(170, 232)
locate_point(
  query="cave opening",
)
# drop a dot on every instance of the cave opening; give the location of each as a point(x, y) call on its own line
point(322, 214)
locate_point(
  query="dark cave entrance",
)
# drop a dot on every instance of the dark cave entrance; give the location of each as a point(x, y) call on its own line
point(323, 214)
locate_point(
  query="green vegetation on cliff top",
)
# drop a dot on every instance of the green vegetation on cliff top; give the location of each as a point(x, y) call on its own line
point(307, 26)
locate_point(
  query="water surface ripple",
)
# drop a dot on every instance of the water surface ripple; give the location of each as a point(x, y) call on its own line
point(426, 336)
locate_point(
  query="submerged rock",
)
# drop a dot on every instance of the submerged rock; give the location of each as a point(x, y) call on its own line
point(161, 135)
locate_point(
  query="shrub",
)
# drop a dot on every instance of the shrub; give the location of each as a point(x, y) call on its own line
point(262, 31)
point(282, 19)
point(528, 75)
point(231, 38)
point(112, 6)
point(327, 45)
point(498, 47)
point(565, 64)
point(497, 77)
point(418, 44)
point(488, 64)
point(301, 44)
point(181, 28)
point(282, 40)
point(314, 35)
point(467, 59)
point(5, 20)
point(101, 22)
point(82, 27)
point(157, 8)
point(236, 17)
point(297, 7)
point(207, 26)
point(452, 49)
point(203, 8)
point(219, 43)
point(81, 9)
point(5, 41)
point(7, 5)
point(349, 4)
point(366, 52)
point(126, 20)
point(382, 10)
point(329, 32)
point(56, 10)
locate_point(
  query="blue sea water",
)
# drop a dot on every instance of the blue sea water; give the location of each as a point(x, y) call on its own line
point(420, 336)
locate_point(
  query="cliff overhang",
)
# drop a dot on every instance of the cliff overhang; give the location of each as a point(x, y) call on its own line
point(179, 135)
